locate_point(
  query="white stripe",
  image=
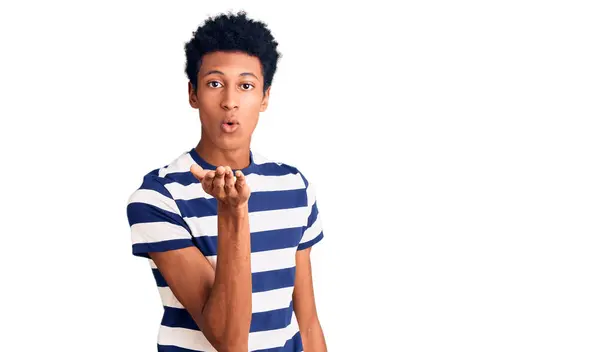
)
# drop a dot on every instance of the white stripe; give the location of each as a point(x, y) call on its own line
point(152, 264)
point(271, 300)
point(272, 338)
point(168, 298)
point(261, 159)
point(261, 301)
point(184, 338)
point(195, 340)
point(311, 197)
point(149, 232)
point(313, 231)
point(257, 183)
point(148, 196)
point(259, 221)
point(261, 183)
point(191, 191)
point(181, 164)
point(267, 260)
point(212, 260)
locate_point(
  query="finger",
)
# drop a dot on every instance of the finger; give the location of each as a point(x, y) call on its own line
point(229, 183)
point(198, 171)
point(240, 180)
point(219, 182)
point(209, 176)
point(207, 181)
point(228, 173)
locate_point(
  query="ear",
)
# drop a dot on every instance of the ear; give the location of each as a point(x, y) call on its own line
point(265, 101)
point(193, 98)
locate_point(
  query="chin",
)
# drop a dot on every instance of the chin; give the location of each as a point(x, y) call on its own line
point(231, 143)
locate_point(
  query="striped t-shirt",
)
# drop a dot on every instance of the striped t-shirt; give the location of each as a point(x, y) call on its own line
point(170, 210)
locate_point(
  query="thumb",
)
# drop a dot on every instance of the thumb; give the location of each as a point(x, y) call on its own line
point(198, 171)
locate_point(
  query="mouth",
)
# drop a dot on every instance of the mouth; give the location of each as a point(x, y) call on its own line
point(230, 121)
point(229, 125)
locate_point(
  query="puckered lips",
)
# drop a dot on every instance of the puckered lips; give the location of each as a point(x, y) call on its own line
point(230, 125)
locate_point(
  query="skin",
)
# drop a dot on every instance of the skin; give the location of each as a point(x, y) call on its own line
point(230, 84)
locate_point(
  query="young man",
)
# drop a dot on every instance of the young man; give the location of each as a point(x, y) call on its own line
point(222, 200)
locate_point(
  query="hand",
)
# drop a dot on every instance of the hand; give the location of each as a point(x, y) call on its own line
point(229, 189)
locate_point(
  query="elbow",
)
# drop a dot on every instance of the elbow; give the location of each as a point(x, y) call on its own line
point(228, 343)
point(309, 324)
point(232, 347)
point(226, 337)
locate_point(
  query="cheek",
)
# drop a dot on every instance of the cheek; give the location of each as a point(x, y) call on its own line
point(208, 102)
point(251, 101)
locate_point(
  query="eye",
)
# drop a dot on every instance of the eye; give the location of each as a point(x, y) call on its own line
point(246, 86)
point(212, 84)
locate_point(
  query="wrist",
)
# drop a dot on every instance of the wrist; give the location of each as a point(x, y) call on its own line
point(233, 210)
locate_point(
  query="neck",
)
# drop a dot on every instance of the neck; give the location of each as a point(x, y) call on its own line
point(237, 159)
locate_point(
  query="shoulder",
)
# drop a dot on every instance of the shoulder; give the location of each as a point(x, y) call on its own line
point(157, 182)
point(271, 167)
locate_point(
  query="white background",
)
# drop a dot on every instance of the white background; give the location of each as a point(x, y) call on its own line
point(454, 146)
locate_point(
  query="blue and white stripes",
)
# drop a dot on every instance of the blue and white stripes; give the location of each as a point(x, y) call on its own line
point(171, 210)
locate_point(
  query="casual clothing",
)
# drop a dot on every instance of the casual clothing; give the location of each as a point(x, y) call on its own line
point(170, 210)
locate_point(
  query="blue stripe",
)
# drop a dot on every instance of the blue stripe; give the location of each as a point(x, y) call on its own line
point(274, 169)
point(163, 348)
point(178, 318)
point(275, 239)
point(292, 345)
point(138, 213)
point(206, 245)
point(259, 241)
point(142, 249)
point(153, 182)
point(197, 207)
point(184, 178)
point(304, 179)
point(274, 279)
point(259, 201)
point(160, 280)
point(274, 319)
point(313, 215)
point(263, 281)
point(310, 243)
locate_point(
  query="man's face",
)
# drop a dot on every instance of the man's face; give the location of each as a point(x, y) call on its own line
point(230, 89)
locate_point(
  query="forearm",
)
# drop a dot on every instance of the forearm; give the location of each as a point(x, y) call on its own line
point(228, 310)
point(313, 338)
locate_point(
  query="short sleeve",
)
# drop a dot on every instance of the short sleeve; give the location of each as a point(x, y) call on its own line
point(155, 220)
point(312, 231)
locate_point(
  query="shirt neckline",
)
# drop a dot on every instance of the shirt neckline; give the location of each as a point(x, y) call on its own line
point(207, 166)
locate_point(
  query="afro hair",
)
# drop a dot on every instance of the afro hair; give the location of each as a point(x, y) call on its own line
point(232, 32)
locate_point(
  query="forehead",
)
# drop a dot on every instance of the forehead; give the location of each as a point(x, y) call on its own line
point(230, 63)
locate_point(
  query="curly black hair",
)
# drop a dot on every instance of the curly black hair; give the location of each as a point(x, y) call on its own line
point(232, 32)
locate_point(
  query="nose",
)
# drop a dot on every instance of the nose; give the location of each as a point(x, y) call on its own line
point(230, 99)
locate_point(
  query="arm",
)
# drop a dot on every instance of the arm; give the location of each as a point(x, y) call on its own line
point(305, 308)
point(219, 301)
point(229, 307)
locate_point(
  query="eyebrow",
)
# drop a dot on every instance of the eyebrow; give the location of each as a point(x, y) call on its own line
point(221, 73)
